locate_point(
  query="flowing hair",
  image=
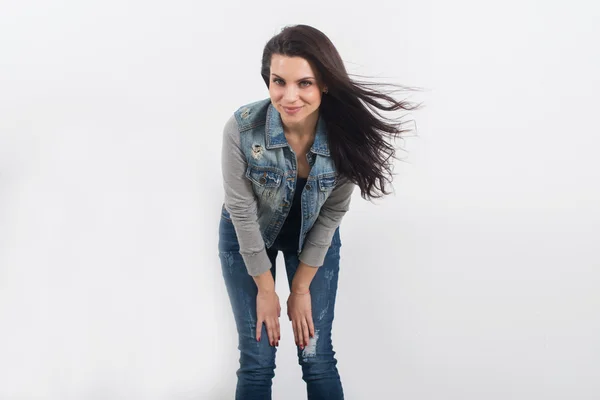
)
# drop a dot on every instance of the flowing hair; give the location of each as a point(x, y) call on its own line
point(357, 131)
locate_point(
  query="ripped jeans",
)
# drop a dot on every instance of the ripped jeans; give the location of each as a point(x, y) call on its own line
point(257, 359)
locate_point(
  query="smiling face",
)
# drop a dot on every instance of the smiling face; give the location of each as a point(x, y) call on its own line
point(294, 90)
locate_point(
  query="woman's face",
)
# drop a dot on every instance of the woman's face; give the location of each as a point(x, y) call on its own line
point(293, 88)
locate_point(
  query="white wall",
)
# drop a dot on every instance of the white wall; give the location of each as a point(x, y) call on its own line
point(477, 280)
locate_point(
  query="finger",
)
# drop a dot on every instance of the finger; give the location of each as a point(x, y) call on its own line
point(277, 331)
point(258, 330)
point(295, 329)
point(271, 333)
point(275, 325)
point(311, 326)
point(274, 330)
point(300, 334)
point(304, 332)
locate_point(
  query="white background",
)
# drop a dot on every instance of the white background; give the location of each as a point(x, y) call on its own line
point(478, 279)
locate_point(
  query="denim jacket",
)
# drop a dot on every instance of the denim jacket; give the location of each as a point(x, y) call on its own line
point(259, 177)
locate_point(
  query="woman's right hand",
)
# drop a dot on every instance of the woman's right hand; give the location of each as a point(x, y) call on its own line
point(268, 311)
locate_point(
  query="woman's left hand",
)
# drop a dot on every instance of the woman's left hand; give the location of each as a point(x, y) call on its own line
point(299, 311)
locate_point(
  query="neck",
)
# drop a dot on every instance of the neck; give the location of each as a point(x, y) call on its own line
point(304, 129)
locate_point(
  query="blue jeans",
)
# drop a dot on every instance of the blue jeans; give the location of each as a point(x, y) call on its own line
point(257, 359)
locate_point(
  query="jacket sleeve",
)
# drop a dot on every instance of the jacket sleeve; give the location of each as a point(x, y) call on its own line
point(330, 216)
point(240, 201)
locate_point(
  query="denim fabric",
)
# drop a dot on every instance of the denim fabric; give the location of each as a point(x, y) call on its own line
point(273, 173)
point(260, 177)
point(257, 359)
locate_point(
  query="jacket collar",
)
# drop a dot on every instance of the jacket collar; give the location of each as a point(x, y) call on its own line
point(274, 136)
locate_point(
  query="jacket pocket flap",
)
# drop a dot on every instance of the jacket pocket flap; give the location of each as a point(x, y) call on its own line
point(264, 176)
point(326, 182)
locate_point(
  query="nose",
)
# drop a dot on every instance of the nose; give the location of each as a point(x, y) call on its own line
point(290, 94)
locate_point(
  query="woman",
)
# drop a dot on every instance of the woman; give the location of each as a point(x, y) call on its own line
point(290, 164)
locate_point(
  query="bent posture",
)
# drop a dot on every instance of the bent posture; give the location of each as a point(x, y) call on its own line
point(290, 164)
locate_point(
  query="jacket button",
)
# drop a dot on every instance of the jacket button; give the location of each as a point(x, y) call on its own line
point(262, 180)
point(307, 187)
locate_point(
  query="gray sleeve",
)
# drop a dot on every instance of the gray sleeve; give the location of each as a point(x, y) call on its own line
point(330, 216)
point(240, 201)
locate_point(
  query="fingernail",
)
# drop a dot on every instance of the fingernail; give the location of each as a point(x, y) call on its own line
point(258, 340)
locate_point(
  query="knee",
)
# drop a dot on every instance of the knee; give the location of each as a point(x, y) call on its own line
point(318, 357)
point(256, 373)
point(319, 368)
point(255, 370)
point(257, 362)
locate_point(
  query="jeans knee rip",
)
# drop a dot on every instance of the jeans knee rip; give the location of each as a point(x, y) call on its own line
point(311, 349)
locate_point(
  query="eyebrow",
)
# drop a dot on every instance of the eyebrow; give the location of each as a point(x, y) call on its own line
point(302, 79)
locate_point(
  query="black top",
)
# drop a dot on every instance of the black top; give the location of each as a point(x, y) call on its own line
point(290, 231)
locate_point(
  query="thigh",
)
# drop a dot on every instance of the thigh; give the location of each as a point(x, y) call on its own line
point(242, 292)
point(232, 262)
point(323, 287)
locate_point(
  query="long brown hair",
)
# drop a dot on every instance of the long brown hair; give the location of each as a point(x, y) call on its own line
point(357, 130)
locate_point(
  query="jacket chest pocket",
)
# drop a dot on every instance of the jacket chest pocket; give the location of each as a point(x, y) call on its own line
point(326, 184)
point(265, 180)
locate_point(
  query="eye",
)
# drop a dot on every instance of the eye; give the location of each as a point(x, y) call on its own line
point(308, 83)
point(277, 80)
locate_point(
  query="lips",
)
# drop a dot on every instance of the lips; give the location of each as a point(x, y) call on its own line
point(291, 110)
